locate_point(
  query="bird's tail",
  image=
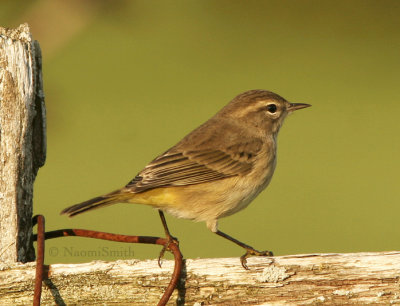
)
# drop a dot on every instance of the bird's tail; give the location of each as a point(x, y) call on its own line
point(97, 202)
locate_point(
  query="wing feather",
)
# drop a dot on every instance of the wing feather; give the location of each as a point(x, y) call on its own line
point(196, 159)
point(187, 168)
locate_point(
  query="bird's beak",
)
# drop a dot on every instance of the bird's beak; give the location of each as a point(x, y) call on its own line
point(295, 106)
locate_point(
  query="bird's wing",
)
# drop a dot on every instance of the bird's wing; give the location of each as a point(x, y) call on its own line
point(197, 166)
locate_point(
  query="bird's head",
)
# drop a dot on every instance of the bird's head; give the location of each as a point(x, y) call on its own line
point(261, 109)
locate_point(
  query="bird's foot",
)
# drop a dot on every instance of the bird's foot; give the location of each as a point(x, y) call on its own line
point(170, 240)
point(252, 252)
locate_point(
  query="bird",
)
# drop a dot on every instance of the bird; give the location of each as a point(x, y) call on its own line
point(214, 171)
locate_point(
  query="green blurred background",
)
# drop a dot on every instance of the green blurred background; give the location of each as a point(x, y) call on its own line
point(125, 80)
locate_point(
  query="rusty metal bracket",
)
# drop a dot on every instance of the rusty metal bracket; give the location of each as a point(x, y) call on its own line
point(41, 236)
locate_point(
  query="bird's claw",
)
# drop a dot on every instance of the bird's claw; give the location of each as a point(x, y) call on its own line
point(170, 240)
point(253, 252)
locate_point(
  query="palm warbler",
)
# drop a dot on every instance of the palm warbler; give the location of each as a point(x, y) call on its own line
point(213, 172)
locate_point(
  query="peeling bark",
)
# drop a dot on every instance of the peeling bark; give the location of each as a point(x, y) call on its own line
point(354, 279)
point(22, 140)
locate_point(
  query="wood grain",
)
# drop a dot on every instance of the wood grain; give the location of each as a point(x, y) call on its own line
point(332, 279)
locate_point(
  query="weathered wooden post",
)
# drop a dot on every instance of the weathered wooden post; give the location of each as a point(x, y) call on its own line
point(22, 140)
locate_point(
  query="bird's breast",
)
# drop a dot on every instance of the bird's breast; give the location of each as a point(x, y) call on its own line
point(248, 187)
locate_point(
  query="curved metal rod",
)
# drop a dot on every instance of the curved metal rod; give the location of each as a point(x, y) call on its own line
point(39, 220)
point(172, 246)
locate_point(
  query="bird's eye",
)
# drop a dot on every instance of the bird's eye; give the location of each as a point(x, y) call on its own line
point(271, 108)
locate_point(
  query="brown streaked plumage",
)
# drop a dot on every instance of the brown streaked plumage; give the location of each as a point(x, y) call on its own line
point(216, 170)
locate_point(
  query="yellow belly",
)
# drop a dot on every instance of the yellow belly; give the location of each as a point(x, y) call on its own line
point(158, 197)
point(200, 202)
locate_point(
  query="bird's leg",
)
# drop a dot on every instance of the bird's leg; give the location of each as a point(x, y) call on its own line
point(170, 238)
point(249, 250)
